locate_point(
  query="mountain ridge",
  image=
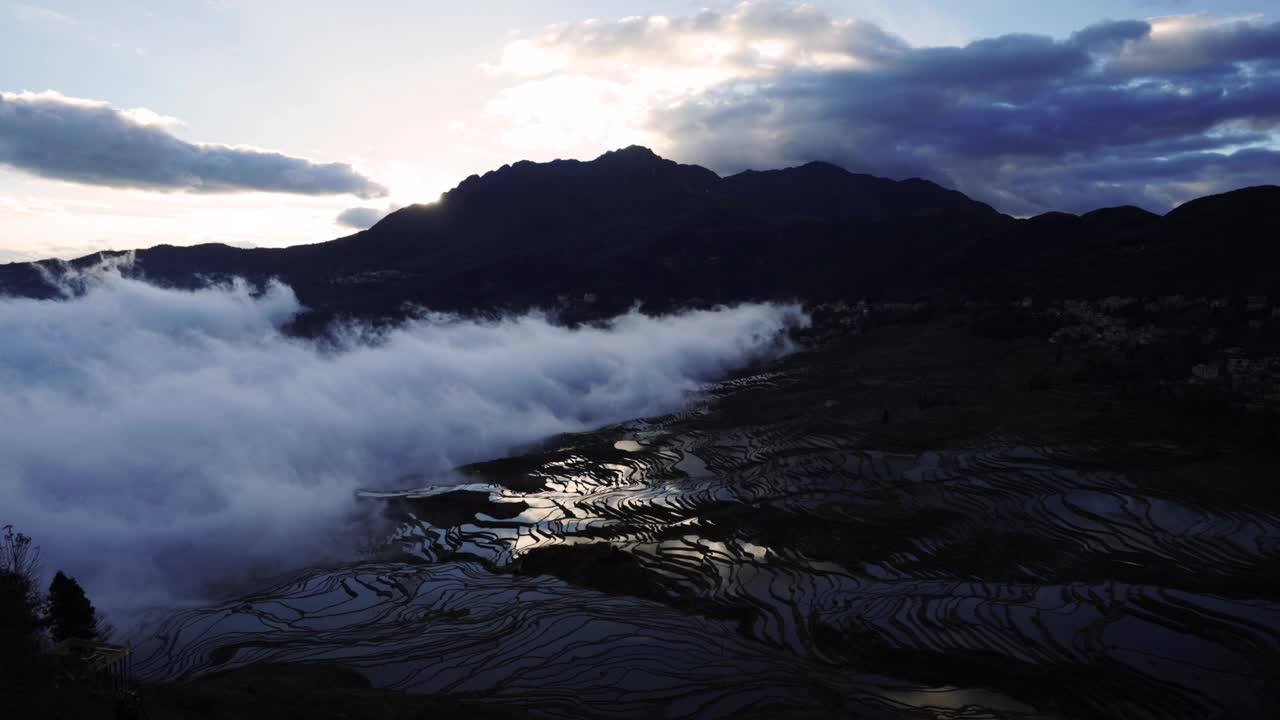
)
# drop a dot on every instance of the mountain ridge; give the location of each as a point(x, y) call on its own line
point(631, 226)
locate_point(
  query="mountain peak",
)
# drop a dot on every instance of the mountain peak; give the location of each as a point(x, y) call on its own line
point(629, 180)
point(823, 166)
point(638, 180)
point(632, 152)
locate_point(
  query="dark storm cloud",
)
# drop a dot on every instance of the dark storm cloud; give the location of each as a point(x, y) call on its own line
point(93, 143)
point(361, 218)
point(1151, 113)
point(1106, 36)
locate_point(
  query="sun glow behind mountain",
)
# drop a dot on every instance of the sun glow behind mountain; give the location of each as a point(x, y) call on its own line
point(1159, 108)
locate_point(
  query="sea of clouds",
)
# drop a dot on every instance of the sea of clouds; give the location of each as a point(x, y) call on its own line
point(160, 444)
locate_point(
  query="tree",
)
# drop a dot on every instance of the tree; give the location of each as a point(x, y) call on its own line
point(71, 615)
point(20, 622)
point(18, 555)
point(21, 627)
point(19, 616)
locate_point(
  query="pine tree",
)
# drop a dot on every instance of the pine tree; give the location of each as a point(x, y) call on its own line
point(71, 615)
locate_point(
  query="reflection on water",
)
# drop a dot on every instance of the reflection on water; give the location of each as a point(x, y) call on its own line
point(710, 566)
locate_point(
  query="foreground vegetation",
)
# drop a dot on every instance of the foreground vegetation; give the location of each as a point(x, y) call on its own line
point(36, 681)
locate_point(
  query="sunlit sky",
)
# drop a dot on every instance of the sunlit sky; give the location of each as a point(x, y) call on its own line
point(415, 96)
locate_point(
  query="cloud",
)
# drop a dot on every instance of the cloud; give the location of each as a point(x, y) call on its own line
point(8, 255)
point(94, 143)
point(753, 36)
point(35, 13)
point(1108, 36)
point(363, 218)
point(1150, 112)
point(159, 442)
point(596, 83)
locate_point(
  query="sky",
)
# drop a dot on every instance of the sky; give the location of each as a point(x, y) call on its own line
point(277, 122)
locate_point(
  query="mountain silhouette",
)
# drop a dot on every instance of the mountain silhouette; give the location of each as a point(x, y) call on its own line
point(598, 236)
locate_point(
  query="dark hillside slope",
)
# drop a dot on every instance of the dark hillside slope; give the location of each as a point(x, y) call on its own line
point(1226, 244)
point(829, 192)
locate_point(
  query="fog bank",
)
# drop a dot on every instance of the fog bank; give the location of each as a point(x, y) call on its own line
point(159, 443)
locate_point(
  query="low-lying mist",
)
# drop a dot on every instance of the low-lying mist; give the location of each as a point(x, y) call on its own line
point(161, 443)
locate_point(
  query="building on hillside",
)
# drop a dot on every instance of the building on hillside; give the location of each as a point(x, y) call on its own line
point(106, 666)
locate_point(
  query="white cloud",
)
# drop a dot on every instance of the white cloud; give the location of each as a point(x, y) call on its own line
point(35, 13)
point(586, 87)
point(186, 441)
